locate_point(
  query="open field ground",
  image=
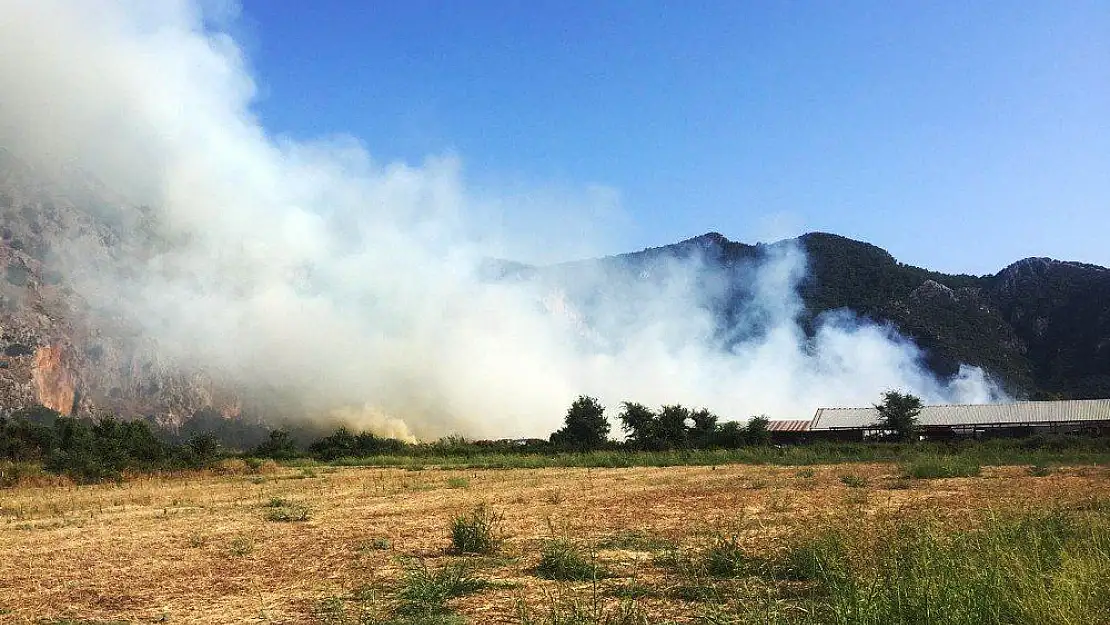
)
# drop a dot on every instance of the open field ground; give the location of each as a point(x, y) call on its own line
point(824, 543)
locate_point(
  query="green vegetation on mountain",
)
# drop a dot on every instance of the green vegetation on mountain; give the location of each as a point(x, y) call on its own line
point(1040, 327)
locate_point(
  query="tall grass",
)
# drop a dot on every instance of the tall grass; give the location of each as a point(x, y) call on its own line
point(1051, 568)
point(1000, 452)
point(934, 467)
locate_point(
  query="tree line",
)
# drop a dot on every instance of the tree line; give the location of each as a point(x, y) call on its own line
point(92, 450)
point(647, 429)
point(106, 448)
point(679, 427)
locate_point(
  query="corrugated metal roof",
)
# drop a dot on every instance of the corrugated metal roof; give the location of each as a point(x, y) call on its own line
point(1024, 412)
point(792, 425)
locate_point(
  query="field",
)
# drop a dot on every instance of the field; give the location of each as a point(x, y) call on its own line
point(844, 543)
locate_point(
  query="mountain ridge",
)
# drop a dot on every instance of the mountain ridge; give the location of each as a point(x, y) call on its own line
point(1040, 326)
point(997, 321)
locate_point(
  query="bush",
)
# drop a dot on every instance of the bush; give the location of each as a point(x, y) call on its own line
point(477, 532)
point(279, 446)
point(1040, 470)
point(757, 431)
point(344, 444)
point(15, 473)
point(564, 561)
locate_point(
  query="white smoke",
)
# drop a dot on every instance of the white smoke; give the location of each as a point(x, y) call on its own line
point(355, 285)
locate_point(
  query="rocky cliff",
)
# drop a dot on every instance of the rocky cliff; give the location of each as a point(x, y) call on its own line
point(58, 349)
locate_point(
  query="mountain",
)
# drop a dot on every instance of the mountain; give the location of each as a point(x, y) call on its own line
point(1040, 326)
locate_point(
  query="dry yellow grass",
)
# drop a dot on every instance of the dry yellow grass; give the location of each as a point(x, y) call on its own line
point(198, 549)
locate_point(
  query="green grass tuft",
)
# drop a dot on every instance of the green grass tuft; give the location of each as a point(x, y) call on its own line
point(426, 591)
point(478, 532)
point(563, 560)
point(287, 512)
point(458, 482)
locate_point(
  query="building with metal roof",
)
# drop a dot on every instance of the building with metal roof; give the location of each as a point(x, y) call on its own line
point(788, 425)
point(1025, 417)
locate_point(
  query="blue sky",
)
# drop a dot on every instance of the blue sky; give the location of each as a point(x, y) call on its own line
point(959, 136)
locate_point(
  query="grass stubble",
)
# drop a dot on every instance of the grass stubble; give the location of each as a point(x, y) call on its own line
point(890, 544)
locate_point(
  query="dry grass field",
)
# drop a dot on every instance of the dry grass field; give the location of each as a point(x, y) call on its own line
point(338, 545)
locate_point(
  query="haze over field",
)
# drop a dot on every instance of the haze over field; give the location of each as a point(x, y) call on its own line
point(355, 285)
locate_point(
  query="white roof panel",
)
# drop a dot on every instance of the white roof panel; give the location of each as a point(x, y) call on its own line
point(1019, 413)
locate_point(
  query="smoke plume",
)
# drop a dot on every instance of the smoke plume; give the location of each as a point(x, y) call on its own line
point(358, 287)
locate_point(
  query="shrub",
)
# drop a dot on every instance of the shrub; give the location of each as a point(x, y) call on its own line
point(757, 431)
point(15, 473)
point(477, 532)
point(379, 543)
point(279, 446)
point(565, 561)
point(344, 444)
point(240, 546)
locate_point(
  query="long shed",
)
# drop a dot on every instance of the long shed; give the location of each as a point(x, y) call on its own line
point(1015, 418)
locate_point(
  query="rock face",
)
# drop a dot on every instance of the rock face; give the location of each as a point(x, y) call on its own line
point(56, 348)
point(55, 380)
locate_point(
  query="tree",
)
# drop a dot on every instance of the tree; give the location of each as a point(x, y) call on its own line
point(705, 428)
point(672, 428)
point(757, 431)
point(279, 446)
point(638, 422)
point(586, 426)
point(898, 414)
point(730, 435)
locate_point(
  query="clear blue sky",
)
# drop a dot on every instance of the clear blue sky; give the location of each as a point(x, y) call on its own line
point(958, 135)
